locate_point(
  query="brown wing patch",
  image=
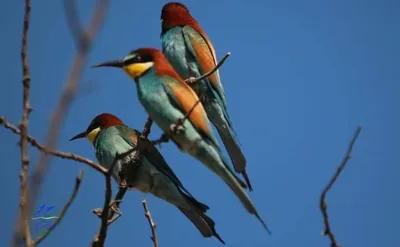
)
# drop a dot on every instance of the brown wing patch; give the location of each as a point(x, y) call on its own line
point(183, 93)
point(206, 59)
point(187, 98)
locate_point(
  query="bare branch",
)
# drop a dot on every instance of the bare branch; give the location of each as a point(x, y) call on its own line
point(323, 204)
point(23, 229)
point(86, 38)
point(143, 136)
point(147, 128)
point(117, 201)
point(193, 80)
point(46, 150)
point(63, 211)
point(151, 223)
point(100, 237)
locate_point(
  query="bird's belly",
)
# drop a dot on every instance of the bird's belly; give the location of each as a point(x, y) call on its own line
point(141, 176)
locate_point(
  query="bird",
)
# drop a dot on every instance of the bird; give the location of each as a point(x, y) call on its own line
point(111, 137)
point(192, 54)
point(168, 100)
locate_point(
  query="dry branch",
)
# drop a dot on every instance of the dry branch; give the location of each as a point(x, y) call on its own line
point(23, 229)
point(100, 237)
point(47, 150)
point(323, 205)
point(151, 223)
point(78, 181)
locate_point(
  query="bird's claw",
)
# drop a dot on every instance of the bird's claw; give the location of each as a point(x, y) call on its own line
point(191, 80)
point(98, 211)
point(177, 128)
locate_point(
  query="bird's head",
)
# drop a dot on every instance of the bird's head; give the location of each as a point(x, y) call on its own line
point(140, 61)
point(99, 123)
point(175, 14)
point(135, 64)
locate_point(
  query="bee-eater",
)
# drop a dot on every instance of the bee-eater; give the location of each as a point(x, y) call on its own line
point(167, 99)
point(111, 137)
point(192, 54)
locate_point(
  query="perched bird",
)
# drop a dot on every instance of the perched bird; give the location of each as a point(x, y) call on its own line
point(111, 137)
point(192, 54)
point(168, 99)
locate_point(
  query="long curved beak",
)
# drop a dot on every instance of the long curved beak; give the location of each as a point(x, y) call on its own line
point(114, 63)
point(78, 136)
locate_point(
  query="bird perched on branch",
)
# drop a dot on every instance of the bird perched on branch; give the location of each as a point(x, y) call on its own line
point(168, 100)
point(111, 137)
point(192, 54)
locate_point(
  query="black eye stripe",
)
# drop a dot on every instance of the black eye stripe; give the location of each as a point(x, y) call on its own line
point(93, 126)
point(138, 59)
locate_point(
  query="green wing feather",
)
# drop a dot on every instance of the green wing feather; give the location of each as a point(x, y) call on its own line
point(202, 50)
point(152, 155)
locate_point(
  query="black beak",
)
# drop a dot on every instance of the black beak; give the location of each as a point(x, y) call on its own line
point(78, 136)
point(115, 63)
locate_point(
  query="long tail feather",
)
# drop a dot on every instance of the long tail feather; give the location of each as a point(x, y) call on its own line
point(231, 144)
point(203, 223)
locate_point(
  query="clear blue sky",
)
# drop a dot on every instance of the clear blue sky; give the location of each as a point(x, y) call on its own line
point(302, 76)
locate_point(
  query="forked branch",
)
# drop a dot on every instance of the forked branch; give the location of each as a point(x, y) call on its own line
point(152, 224)
point(323, 205)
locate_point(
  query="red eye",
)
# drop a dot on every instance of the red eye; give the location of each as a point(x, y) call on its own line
point(137, 58)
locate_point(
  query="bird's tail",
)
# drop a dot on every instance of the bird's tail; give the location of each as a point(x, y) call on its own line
point(215, 161)
point(204, 223)
point(231, 143)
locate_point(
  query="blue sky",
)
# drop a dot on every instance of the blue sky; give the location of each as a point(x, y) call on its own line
point(302, 76)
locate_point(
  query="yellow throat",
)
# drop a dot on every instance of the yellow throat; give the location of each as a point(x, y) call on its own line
point(92, 135)
point(137, 69)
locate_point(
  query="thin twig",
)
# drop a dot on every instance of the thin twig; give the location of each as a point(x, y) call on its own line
point(123, 188)
point(219, 64)
point(23, 229)
point(100, 237)
point(147, 128)
point(323, 205)
point(85, 38)
point(145, 133)
point(78, 181)
point(151, 223)
point(63, 155)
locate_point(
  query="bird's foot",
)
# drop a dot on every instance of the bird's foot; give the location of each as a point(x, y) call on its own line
point(98, 212)
point(191, 80)
point(178, 127)
point(114, 206)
